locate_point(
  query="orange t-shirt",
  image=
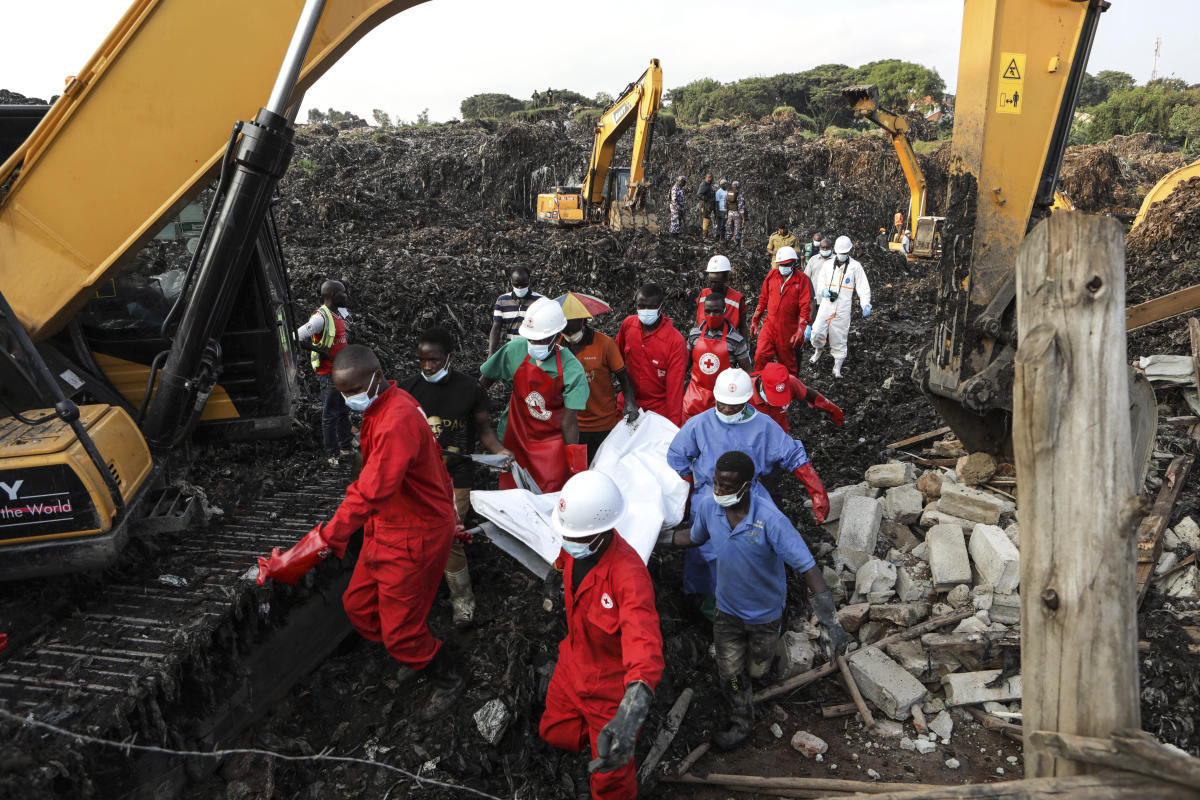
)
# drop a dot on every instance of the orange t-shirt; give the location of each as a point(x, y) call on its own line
point(600, 358)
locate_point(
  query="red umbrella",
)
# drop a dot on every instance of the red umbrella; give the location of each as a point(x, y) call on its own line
point(577, 305)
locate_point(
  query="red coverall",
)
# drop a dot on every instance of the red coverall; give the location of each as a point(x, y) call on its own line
point(710, 357)
point(404, 501)
point(733, 305)
point(786, 301)
point(657, 362)
point(613, 639)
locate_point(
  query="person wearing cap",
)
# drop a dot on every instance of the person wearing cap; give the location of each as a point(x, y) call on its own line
point(735, 213)
point(717, 275)
point(403, 501)
point(785, 299)
point(813, 246)
point(881, 239)
point(781, 238)
point(540, 426)
point(707, 203)
point(655, 355)
point(713, 346)
point(838, 282)
point(678, 204)
point(734, 425)
point(611, 660)
point(601, 360)
point(752, 540)
point(719, 195)
point(775, 388)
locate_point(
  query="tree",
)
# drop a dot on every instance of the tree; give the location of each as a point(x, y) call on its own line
point(603, 99)
point(1142, 109)
point(423, 118)
point(480, 106)
point(901, 82)
point(316, 116)
point(1114, 80)
point(1184, 127)
point(382, 120)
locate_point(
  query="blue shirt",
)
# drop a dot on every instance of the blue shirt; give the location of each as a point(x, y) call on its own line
point(720, 195)
point(751, 580)
point(704, 438)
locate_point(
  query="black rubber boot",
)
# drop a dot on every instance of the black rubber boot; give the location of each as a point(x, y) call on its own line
point(446, 683)
point(741, 714)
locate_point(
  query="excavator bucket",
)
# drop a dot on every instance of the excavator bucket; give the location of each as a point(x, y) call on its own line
point(864, 97)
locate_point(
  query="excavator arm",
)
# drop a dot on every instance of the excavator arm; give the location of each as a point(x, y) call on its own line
point(865, 102)
point(638, 105)
point(139, 131)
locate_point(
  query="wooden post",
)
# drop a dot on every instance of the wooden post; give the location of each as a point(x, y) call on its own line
point(1071, 438)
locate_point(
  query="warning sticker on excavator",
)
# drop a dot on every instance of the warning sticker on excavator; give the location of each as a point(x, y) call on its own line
point(1010, 97)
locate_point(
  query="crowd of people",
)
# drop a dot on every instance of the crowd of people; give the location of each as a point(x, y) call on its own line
point(571, 385)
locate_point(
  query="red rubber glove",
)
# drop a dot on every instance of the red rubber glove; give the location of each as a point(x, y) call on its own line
point(576, 458)
point(461, 533)
point(797, 339)
point(754, 323)
point(289, 567)
point(835, 414)
point(3, 641)
point(816, 490)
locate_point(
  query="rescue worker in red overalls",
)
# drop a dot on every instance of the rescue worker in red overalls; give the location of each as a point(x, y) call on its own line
point(541, 424)
point(655, 355)
point(713, 346)
point(403, 501)
point(786, 298)
point(775, 388)
point(325, 333)
point(717, 276)
point(610, 662)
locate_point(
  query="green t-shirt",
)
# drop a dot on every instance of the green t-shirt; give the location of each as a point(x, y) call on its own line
point(504, 364)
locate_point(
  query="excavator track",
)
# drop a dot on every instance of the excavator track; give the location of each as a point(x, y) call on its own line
point(198, 647)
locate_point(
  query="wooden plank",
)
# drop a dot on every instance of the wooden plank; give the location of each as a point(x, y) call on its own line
point(1130, 751)
point(843, 710)
point(1187, 562)
point(921, 437)
point(1072, 442)
point(1194, 338)
point(855, 695)
point(975, 643)
point(771, 784)
point(1154, 525)
point(1160, 308)
point(666, 735)
point(991, 722)
point(1108, 786)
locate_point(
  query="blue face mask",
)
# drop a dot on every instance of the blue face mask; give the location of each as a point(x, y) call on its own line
point(785, 271)
point(648, 316)
point(730, 419)
point(362, 401)
point(440, 374)
point(524, 290)
point(577, 549)
point(539, 352)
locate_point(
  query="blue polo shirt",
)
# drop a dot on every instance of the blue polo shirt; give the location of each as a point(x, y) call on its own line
point(751, 581)
point(704, 438)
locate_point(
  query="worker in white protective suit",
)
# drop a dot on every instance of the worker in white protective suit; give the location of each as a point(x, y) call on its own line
point(840, 278)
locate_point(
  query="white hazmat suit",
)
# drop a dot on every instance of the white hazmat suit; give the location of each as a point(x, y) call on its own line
point(833, 316)
point(813, 270)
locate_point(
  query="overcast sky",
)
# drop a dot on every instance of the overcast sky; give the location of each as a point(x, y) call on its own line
point(434, 55)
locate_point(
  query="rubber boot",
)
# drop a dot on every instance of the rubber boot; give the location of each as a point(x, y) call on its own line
point(462, 599)
point(741, 714)
point(837, 367)
point(446, 683)
point(816, 356)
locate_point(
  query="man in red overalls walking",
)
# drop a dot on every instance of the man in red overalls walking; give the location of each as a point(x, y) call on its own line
point(786, 296)
point(610, 662)
point(717, 276)
point(713, 346)
point(404, 502)
point(541, 424)
point(655, 355)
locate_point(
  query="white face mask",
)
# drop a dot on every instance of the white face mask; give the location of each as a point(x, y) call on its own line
point(578, 549)
point(539, 352)
point(730, 419)
point(648, 316)
point(843, 258)
point(344, 312)
point(362, 401)
point(520, 292)
point(825, 253)
point(440, 374)
point(727, 500)
point(785, 271)
point(574, 338)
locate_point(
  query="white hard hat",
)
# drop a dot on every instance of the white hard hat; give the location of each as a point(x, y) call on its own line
point(843, 245)
point(589, 503)
point(733, 386)
point(786, 253)
point(718, 263)
point(543, 319)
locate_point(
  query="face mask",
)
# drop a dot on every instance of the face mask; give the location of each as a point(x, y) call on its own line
point(648, 316)
point(520, 292)
point(362, 401)
point(843, 258)
point(825, 253)
point(574, 338)
point(539, 352)
point(715, 320)
point(727, 500)
point(345, 312)
point(730, 419)
point(785, 271)
point(577, 549)
point(439, 375)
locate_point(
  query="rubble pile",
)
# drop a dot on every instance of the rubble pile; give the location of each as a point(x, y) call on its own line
point(1163, 253)
point(1113, 176)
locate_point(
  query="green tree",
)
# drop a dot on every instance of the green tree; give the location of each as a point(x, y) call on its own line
point(1091, 91)
point(334, 116)
point(480, 106)
point(1184, 127)
point(1142, 109)
point(423, 118)
point(1114, 81)
point(382, 120)
point(901, 82)
point(316, 116)
point(603, 99)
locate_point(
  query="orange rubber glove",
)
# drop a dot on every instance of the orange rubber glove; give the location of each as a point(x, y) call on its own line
point(816, 490)
point(754, 323)
point(289, 567)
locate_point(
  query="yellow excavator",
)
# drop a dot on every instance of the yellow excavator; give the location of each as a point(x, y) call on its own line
point(129, 318)
point(1162, 190)
point(613, 195)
